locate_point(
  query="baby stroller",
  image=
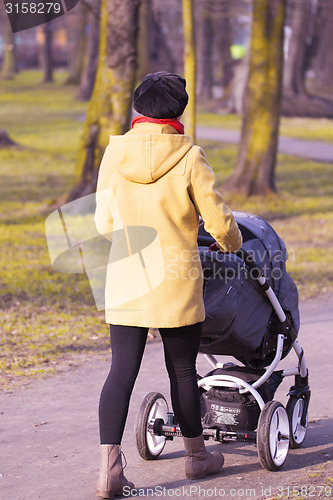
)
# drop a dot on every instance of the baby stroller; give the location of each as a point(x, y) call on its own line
point(251, 314)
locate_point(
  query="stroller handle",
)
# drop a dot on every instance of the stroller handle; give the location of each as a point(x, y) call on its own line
point(205, 241)
point(256, 272)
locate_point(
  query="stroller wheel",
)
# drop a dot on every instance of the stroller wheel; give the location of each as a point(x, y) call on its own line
point(295, 409)
point(149, 444)
point(273, 436)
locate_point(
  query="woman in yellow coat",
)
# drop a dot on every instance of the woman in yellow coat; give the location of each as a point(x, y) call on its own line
point(153, 185)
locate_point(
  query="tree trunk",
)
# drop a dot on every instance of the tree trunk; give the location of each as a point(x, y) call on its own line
point(234, 73)
point(143, 40)
point(5, 140)
point(296, 99)
point(110, 106)
point(9, 60)
point(189, 66)
point(46, 53)
point(234, 94)
point(294, 71)
point(224, 32)
point(205, 50)
point(323, 62)
point(254, 173)
point(89, 74)
point(160, 52)
point(78, 49)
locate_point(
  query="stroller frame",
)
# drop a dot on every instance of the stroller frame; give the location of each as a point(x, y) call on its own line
point(236, 382)
point(277, 429)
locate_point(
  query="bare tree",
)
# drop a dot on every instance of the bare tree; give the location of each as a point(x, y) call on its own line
point(89, 73)
point(323, 60)
point(204, 21)
point(7, 73)
point(234, 94)
point(255, 170)
point(295, 67)
point(77, 53)
point(230, 18)
point(9, 60)
point(224, 32)
point(110, 107)
point(46, 53)
point(160, 51)
point(144, 37)
point(297, 101)
point(189, 65)
point(214, 27)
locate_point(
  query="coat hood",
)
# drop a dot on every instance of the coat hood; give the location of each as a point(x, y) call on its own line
point(145, 156)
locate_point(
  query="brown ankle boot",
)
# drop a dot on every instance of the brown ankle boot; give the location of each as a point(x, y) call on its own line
point(198, 461)
point(111, 480)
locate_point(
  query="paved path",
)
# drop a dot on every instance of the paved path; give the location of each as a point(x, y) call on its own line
point(49, 431)
point(313, 150)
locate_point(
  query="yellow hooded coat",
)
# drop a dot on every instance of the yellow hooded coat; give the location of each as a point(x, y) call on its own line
point(153, 184)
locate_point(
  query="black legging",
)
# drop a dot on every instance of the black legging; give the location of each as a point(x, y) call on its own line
point(180, 350)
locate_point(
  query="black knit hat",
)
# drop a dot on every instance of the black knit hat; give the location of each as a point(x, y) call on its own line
point(161, 95)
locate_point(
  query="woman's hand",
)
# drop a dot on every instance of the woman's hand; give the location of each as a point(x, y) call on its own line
point(214, 247)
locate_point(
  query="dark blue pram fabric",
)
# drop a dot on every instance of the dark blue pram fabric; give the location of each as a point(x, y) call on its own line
point(239, 316)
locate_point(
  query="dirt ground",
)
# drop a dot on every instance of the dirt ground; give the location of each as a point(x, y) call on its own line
point(49, 433)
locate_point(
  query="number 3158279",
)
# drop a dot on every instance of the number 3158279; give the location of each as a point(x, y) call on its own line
point(33, 8)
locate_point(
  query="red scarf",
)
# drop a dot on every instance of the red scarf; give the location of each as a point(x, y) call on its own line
point(173, 122)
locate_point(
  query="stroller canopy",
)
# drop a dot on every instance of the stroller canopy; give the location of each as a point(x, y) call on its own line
point(239, 316)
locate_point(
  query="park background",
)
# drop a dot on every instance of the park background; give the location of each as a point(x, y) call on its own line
point(261, 67)
point(255, 70)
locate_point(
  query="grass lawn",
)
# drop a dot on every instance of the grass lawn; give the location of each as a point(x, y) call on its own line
point(49, 320)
